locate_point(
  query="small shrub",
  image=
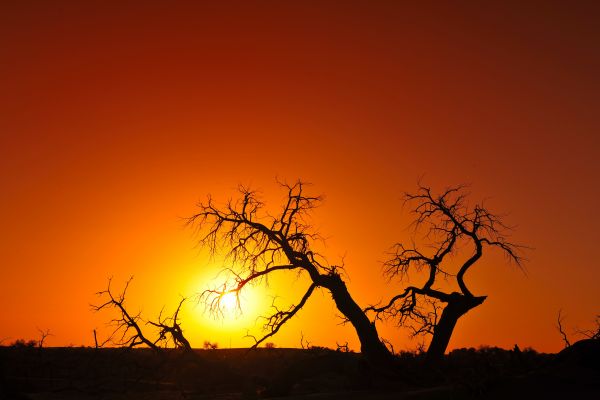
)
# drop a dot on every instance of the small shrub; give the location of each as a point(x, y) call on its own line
point(210, 346)
point(270, 345)
point(24, 343)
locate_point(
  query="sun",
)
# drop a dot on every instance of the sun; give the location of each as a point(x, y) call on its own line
point(225, 309)
point(230, 303)
point(236, 308)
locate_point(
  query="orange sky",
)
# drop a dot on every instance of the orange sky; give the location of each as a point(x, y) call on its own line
point(116, 118)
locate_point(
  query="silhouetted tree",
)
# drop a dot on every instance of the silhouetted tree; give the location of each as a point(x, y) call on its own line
point(593, 333)
point(43, 336)
point(559, 326)
point(127, 329)
point(451, 229)
point(170, 329)
point(210, 346)
point(259, 244)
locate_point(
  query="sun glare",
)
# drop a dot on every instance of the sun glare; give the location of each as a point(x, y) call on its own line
point(229, 303)
point(235, 310)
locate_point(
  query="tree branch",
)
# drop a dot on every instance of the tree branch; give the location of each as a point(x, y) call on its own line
point(279, 318)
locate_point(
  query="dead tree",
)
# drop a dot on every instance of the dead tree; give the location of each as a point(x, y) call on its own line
point(258, 244)
point(456, 236)
point(127, 330)
point(127, 327)
point(43, 336)
point(170, 330)
point(559, 327)
point(593, 333)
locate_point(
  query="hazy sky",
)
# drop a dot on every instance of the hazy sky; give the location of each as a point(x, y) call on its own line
point(117, 117)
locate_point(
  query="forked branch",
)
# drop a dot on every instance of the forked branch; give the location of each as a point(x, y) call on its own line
point(127, 330)
point(170, 329)
point(275, 321)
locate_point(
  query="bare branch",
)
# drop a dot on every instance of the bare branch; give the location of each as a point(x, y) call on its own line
point(591, 333)
point(275, 321)
point(170, 328)
point(559, 325)
point(304, 343)
point(127, 331)
point(253, 246)
point(213, 298)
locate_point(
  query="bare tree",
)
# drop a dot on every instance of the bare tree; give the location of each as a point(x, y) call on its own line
point(559, 326)
point(452, 230)
point(304, 343)
point(43, 336)
point(258, 244)
point(170, 329)
point(593, 333)
point(127, 330)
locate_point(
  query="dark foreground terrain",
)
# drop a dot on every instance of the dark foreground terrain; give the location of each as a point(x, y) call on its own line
point(489, 373)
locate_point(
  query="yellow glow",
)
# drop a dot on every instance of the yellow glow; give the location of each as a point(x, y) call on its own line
point(236, 312)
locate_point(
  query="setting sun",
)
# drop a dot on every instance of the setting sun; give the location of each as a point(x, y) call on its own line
point(236, 312)
point(230, 303)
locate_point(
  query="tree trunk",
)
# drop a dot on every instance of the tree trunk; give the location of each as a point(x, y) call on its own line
point(370, 344)
point(458, 306)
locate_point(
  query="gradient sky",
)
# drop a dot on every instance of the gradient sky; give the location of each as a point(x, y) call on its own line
point(117, 117)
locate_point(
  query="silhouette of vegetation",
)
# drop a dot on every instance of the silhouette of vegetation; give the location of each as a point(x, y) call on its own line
point(258, 243)
point(210, 345)
point(559, 326)
point(127, 326)
point(127, 331)
point(43, 336)
point(592, 333)
point(170, 329)
point(343, 347)
point(450, 228)
point(25, 343)
point(304, 343)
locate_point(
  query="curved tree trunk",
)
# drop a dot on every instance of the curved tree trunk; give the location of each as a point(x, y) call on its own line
point(458, 306)
point(371, 346)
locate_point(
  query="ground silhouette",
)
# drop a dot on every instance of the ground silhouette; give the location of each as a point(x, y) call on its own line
point(29, 372)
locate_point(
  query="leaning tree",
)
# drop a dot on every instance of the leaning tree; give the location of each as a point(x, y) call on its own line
point(257, 244)
point(128, 330)
point(455, 236)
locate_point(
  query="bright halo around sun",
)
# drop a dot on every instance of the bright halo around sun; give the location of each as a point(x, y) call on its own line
point(230, 303)
point(235, 310)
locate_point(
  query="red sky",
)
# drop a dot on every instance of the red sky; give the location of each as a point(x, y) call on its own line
point(117, 117)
